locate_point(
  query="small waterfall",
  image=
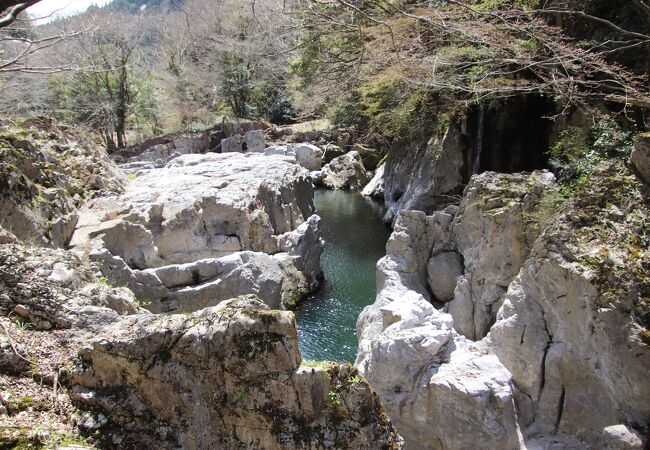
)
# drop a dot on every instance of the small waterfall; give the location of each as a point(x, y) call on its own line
point(479, 139)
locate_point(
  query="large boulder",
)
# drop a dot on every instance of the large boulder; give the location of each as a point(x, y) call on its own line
point(207, 228)
point(375, 187)
point(308, 156)
point(346, 172)
point(370, 157)
point(443, 270)
point(280, 280)
point(160, 381)
point(255, 141)
point(331, 151)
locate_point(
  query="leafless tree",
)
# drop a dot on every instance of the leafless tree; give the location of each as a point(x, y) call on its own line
point(9, 10)
point(474, 53)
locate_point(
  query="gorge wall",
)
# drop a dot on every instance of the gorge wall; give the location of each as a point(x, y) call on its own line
point(538, 336)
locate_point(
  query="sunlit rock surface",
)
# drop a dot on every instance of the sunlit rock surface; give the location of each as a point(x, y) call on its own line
point(558, 306)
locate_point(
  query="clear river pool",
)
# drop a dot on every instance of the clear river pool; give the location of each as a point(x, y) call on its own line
point(355, 239)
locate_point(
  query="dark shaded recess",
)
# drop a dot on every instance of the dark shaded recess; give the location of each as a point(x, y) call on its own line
point(515, 135)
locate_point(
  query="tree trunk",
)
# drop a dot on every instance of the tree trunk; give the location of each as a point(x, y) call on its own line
point(120, 109)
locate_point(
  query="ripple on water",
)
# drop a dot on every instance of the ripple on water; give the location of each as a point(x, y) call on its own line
point(355, 238)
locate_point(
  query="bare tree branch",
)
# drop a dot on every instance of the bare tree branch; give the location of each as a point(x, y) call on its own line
point(9, 10)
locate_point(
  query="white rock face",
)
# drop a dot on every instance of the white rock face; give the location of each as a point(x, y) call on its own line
point(279, 280)
point(282, 150)
point(346, 172)
point(255, 141)
point(493, 231)
point(226, 224)
point(424, 177)
point(430, 379)
point(562, 365)
point(443, 271)
point(308, 156)
point(200, 206)
point(375, 187)
point(561, 348)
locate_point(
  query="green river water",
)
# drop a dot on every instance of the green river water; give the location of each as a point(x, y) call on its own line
point(355, 239)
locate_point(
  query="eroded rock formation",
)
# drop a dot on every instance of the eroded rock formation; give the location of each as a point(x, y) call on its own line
point(225, 377)
point(229, 376)
point(207, 228)
point(555, 311)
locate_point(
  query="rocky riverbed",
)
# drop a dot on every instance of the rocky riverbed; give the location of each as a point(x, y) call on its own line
point(186, 352)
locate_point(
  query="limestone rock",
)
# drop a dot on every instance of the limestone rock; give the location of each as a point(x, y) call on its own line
point(346, 172)
point(493, 232)
point(283, 150)
point(640, 157)
point(280, 280)
point(375, 187)
point(232, 144)
point(161, 379)
point(426, 176)
point(568, 333)
point(370, 157)
point(52, 288)
point(412, 356)
point(561, 348)
point(308, 156)
point(44, 177)
point(621, 437)
point(255, 141)
point(443, 271)
point(332, 151)
point(200, 206)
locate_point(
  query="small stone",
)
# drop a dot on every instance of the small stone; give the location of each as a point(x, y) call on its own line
point(22, 311)
point(43, 325)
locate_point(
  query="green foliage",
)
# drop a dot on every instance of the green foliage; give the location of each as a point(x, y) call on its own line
point(103, 281)
point(315, 364)
point(499, 4)
point(236, 84)
point(334, 398)
point(23, 325)
point(579, 150)
point(142, 303)
point(242, 395)
point(270, 100)
point(355, 379)
point(395, 109)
